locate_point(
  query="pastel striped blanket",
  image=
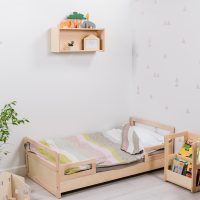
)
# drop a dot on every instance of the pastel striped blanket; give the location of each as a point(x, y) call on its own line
point(105, 148)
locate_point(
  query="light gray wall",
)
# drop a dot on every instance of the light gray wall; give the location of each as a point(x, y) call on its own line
point(63, 94)
point(71, 94)
point(166, 61)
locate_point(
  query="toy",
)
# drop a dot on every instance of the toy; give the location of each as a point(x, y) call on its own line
point(65, 24)
point(91, 43)
point(88, 23)
point(69, 46)
point(76, 19)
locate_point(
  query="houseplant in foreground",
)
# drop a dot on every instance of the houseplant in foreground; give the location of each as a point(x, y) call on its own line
point(8, 117)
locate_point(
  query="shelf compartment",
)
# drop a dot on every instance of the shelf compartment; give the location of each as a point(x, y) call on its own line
point(61, 37)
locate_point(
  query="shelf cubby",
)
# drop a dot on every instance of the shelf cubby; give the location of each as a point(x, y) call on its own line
point(61, 37)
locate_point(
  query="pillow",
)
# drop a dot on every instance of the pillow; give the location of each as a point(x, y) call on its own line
point(130, 140)
point(159, 131)
point(115, 135)
point(136, 138)
point(148, 137)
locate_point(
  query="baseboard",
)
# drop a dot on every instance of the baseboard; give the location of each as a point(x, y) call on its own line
point(19, 170)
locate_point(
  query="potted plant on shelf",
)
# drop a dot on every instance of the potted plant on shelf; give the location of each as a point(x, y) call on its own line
point(71, 46)
point(8, 117)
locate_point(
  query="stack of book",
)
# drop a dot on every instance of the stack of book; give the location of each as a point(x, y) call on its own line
point(183, 167)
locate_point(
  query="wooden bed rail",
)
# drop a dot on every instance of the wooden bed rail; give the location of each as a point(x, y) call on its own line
point(36, 144)
point(154, 148)
point(87, 172)
point(39, 145)
point(76, 164)
point(148, 150)
point(134, 120)
point(57, 167)
point(57, 164)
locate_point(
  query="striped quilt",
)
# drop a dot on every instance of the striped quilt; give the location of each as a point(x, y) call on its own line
point(103, 147)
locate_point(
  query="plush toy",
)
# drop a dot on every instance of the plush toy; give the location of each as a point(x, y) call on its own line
point(88, 23)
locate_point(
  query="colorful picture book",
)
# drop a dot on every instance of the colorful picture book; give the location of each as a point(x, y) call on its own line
point(198, 178)
point(186, 149)
point(183, 167)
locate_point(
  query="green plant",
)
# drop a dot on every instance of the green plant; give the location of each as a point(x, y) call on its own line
point(8, 116)
point(71, 44)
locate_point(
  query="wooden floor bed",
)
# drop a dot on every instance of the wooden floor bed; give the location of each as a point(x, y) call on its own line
point(52, 176)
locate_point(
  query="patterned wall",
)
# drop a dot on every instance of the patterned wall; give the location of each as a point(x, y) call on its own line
point(166, 61)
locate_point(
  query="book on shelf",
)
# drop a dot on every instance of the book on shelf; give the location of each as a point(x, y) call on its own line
point(186, 149)
point(198, 178)
point(180, 166)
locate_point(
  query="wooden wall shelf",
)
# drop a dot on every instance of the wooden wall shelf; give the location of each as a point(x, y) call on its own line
point(61, 37)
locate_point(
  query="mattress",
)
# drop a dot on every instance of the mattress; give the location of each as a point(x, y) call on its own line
point(105, 148)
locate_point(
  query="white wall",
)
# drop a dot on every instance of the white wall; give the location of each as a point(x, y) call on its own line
point(166, 61)
point(63, 94)
point(71, 94)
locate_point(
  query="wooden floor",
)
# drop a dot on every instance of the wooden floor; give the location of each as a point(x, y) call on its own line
point(146, 186)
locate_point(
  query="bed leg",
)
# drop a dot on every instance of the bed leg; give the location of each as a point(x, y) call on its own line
point(58, 195)
point(166, 154)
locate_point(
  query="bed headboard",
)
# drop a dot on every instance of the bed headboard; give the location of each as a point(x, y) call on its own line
point(134, 120)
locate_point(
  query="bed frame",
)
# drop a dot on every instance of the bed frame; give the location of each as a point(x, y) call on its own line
point(52, 177)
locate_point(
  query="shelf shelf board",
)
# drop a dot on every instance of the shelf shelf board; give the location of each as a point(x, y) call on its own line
point(82, 29)
point(81, 51)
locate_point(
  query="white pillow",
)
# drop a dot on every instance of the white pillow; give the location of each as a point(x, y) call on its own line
point(115, 135)
point(148, 137)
